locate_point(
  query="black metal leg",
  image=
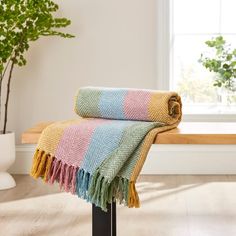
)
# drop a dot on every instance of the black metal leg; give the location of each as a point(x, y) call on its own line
point(104, 223)
point(113, 216)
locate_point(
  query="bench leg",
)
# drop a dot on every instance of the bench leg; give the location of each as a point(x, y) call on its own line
point(104, 223)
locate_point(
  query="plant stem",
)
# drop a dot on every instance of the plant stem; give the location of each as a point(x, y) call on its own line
point(1, 79)
point(5, 70)
point(7, 96)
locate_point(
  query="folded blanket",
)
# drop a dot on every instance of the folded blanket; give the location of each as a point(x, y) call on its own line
point(100, 155)
point(129, 104)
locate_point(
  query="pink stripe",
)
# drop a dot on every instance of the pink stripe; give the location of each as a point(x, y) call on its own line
point(73, 181)
point(64, 174)
point(67, 178)
point(136, 105)
point(75, 141)
point(55, 171)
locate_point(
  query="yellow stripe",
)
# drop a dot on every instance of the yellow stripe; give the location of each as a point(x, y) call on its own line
point(148, 141)
point(51, 136)
point(169, 107)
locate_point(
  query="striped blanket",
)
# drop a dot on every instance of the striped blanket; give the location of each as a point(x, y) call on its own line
point(100, 155)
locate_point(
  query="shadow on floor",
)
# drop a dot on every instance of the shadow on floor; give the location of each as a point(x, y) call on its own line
point(28, 187)
point(160, 186)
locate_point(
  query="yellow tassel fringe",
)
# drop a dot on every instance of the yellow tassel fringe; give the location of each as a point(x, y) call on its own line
point(133, 199)
point(41, 165)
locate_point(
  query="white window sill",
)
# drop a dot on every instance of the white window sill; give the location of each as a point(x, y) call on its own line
point(209, 112)
point(209, 117)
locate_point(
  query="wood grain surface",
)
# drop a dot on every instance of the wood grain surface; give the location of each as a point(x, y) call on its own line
point(186, 133)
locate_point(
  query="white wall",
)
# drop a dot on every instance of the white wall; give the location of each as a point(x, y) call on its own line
point(114, 46)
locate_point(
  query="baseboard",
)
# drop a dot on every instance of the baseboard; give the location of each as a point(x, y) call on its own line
point(191, 159)
point(24, 154)
point(163, 159)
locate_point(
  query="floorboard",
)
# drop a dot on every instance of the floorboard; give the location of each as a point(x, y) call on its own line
point(170, 206)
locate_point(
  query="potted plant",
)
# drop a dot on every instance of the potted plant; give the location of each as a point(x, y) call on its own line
point(223, 62)
point(21, 22)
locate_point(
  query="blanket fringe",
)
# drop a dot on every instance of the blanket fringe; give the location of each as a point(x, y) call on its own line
point(95, 188)
point(82, 184)
point(133, 199)
point(41, 165)
point(51, 170)
point(101, 191)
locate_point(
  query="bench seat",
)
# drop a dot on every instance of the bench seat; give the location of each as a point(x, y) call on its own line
point(186, 133)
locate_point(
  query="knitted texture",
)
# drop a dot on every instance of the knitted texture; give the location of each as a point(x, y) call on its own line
point(100, 155)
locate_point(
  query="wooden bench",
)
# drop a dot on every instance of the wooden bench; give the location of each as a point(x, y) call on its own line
point(186, 133)
point(104, 223)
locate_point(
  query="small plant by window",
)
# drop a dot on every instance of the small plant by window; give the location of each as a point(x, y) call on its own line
point(222, 62)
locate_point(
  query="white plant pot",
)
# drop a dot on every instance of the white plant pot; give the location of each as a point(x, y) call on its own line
point(7, 158)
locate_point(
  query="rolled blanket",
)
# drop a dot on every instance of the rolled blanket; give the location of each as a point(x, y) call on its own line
point(129, 104)
point(100, 155)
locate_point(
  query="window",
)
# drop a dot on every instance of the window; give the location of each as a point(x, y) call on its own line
point(192, 22)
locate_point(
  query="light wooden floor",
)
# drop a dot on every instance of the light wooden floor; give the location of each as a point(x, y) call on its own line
point(171, 205)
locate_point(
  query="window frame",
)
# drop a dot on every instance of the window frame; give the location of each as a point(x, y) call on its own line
point(164, 59)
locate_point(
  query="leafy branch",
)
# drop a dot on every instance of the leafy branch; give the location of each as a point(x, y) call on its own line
point(223, 63)
point(23, 21)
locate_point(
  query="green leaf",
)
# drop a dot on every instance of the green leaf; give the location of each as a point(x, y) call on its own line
point(225, 66)
point(210, 43)
point(233, 64)
point(234, 52)
point(229, 57)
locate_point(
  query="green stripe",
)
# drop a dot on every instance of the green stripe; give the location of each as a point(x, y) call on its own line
point(130, 141)
point(88, 103)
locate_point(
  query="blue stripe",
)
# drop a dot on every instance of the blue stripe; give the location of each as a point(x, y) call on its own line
point(111, 104)
point(105, 139)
